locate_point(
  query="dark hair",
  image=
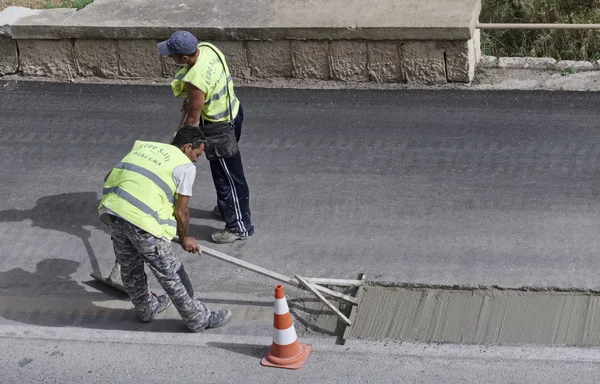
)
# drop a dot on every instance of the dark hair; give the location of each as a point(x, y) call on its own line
point(187, 54)
point(189, 135)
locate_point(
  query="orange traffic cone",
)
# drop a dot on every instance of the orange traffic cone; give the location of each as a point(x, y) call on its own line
point(286, 351)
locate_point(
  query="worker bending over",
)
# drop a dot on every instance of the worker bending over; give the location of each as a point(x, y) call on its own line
point(145, 203)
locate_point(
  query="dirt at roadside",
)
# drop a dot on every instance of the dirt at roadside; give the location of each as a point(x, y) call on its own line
point(485, 79)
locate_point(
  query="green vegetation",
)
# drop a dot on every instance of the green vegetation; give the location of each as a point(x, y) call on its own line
point(568, 71)
point(79, 4)
point(559, 44)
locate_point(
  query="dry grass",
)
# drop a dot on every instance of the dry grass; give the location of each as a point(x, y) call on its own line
point(559, 44)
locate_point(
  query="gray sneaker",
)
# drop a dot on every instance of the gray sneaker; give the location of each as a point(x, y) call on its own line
point(219, 318)
point(225, 236)
point(163, 303)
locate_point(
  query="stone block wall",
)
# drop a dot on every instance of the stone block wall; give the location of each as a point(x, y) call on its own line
point(9, 58)
point(393, 61)
point(52, 58)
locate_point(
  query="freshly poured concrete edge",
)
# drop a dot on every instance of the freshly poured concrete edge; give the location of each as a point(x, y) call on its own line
point(479, 316)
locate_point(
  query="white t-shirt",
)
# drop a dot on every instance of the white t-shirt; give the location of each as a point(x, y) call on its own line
point(183, 177)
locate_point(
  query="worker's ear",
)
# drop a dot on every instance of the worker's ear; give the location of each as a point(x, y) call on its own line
point(187, 148)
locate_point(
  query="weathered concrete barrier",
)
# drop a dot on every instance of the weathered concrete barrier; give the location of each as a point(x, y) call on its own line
point(410, 41)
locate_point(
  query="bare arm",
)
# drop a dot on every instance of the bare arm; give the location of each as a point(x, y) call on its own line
point(195, 104)
point(182, 215)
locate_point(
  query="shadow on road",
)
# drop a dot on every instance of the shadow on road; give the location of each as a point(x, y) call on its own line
point(48, 272)
point(68, 212)
point(252, 350)
point(71, 213)
point(50, 297)
point(75, 214)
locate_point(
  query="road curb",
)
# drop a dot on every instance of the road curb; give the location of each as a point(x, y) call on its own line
point(537, 63)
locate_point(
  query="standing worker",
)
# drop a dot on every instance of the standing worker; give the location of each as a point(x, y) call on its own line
point(145, 203)
point(206, 85)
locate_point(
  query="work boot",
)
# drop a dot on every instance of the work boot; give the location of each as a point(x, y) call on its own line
point(217, 212)
point(163, 303)
point(219, 318)
point(225, 237)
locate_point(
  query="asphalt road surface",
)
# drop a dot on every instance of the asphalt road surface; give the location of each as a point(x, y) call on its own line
point(459, 188)
point(456, 188)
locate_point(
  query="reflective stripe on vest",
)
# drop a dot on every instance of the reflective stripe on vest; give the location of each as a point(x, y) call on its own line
point(141, 189)
point(223, 114)
point(206, 74)
point(128, 197)
point(222, 101)
point(152, 176)
point(221, 93)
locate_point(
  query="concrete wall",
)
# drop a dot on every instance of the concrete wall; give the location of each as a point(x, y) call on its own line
point(9, 57)
point(63, 43)
point(415, 62)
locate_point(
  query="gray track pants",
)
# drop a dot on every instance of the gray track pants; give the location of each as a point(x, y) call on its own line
point(134, 247)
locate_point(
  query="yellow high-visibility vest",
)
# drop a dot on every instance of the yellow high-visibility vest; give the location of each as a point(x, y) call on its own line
point(212, 78)
point(141, 190)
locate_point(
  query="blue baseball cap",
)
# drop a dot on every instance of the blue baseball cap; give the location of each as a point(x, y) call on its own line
point(180, 43)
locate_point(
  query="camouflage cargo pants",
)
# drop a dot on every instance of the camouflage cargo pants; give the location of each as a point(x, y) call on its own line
point(134, 247)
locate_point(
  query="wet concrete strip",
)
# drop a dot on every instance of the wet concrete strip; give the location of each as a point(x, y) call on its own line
point(479, 316)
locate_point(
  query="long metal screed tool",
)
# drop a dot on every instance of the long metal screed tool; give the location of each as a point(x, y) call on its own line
point(313, 285)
